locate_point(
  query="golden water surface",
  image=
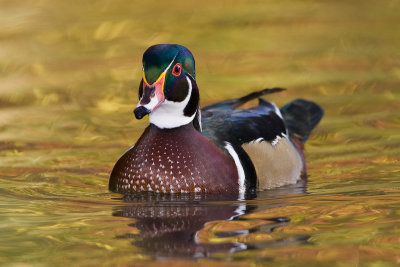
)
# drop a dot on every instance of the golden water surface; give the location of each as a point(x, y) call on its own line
point(69, 73)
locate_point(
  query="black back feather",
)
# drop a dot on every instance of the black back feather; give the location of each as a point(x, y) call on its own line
point(222, 122)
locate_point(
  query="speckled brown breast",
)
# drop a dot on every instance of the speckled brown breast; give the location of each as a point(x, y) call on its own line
point(174, 161)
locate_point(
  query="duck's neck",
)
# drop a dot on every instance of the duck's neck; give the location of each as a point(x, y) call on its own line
point(171, 114)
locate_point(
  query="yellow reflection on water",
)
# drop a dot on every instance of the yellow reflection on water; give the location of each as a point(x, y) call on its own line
point(69, 73)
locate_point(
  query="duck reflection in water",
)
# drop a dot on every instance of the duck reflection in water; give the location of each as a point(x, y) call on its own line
point(169, 224)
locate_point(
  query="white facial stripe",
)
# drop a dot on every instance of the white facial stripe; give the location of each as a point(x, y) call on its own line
point(169, 66)
point(170, 114)
point(165, 70)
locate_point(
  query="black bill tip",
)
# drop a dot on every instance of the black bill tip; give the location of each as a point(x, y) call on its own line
point(140, 112)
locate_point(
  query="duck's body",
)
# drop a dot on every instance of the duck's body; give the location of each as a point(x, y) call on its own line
point(218, 150)
point(175, 160)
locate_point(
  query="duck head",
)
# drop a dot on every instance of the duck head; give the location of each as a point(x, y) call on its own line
point(168, 92)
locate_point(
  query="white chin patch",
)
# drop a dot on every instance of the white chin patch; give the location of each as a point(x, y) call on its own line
point(152, 104)
point(170, 114)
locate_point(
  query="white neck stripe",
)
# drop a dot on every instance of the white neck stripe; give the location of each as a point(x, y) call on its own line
point(241, 174)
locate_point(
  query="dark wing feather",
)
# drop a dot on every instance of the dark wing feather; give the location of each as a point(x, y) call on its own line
point(242, 125)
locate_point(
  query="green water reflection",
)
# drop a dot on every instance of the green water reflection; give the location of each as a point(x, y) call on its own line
point(69, 72)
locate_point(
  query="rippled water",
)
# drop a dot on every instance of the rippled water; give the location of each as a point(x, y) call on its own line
point(69, 72)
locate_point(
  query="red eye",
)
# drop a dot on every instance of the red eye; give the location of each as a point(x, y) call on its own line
point(177, 69)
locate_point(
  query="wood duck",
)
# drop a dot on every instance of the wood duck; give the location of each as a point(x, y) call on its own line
point(217, 149)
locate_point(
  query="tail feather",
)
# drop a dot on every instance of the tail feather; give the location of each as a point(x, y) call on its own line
point(301, 117)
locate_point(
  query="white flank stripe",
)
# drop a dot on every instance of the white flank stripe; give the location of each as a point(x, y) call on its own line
point(241, 180)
